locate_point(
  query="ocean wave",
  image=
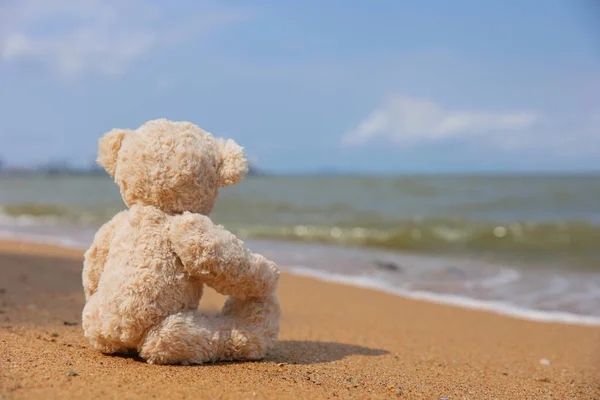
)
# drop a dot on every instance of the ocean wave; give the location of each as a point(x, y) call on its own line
point(40, 213)
point(571, 237)
point(437, 235)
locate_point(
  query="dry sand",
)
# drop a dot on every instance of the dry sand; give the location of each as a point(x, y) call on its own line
point(336, 341)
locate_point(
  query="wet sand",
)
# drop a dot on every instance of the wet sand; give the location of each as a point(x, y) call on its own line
point(335, 341)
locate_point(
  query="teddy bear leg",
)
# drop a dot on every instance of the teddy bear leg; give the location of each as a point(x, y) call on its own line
point(259, 319)
point(244, 330)
point(181, 338)
point(98, 337)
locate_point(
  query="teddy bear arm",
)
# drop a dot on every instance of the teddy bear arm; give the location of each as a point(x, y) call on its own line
point(219, 258)
point(243, 274)
point(95, 257)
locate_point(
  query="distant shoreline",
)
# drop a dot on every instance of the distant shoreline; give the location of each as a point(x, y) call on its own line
point(66, 170)
point(12, 172)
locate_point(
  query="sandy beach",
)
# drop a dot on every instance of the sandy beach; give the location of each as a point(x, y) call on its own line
point(336, 341)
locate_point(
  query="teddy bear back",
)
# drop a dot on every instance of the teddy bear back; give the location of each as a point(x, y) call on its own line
point(173, 166)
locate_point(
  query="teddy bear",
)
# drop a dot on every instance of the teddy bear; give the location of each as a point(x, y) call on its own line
point(145, 272)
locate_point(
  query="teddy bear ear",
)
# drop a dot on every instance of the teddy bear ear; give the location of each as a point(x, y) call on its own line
point(108, 149)
point(234, 165)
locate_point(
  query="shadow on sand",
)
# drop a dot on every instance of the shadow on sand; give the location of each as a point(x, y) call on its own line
point(298, 352)
point(311, 352)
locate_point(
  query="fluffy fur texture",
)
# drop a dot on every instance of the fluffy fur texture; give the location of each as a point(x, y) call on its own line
point(144, 274)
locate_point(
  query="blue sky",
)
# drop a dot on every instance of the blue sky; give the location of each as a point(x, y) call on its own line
point(370, 86)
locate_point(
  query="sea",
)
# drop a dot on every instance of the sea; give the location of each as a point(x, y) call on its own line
point(526, 246)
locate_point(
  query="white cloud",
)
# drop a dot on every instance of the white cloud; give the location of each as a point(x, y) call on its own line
point(105, 36)
point(409, 121)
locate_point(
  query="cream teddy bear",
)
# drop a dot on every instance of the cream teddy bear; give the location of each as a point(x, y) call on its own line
point(144, 274)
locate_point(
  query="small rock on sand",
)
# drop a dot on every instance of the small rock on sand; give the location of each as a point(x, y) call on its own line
point(388, 265)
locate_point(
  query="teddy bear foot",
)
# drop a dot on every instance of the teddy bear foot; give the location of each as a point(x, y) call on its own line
point(245, 330)
point(259, 314)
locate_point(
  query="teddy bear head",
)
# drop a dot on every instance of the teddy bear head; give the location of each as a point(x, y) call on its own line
point(173, 166)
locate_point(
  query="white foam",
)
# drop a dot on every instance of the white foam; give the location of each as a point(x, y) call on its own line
point(504, 277)
point(495, 307)
point(26, 220)
point(44, 239)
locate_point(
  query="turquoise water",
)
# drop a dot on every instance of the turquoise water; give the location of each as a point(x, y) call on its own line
point(531, 241)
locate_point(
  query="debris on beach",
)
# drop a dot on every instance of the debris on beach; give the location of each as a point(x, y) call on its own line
point(72, 373)
point(388, 266)
point(544, 361)
point(68, 323)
